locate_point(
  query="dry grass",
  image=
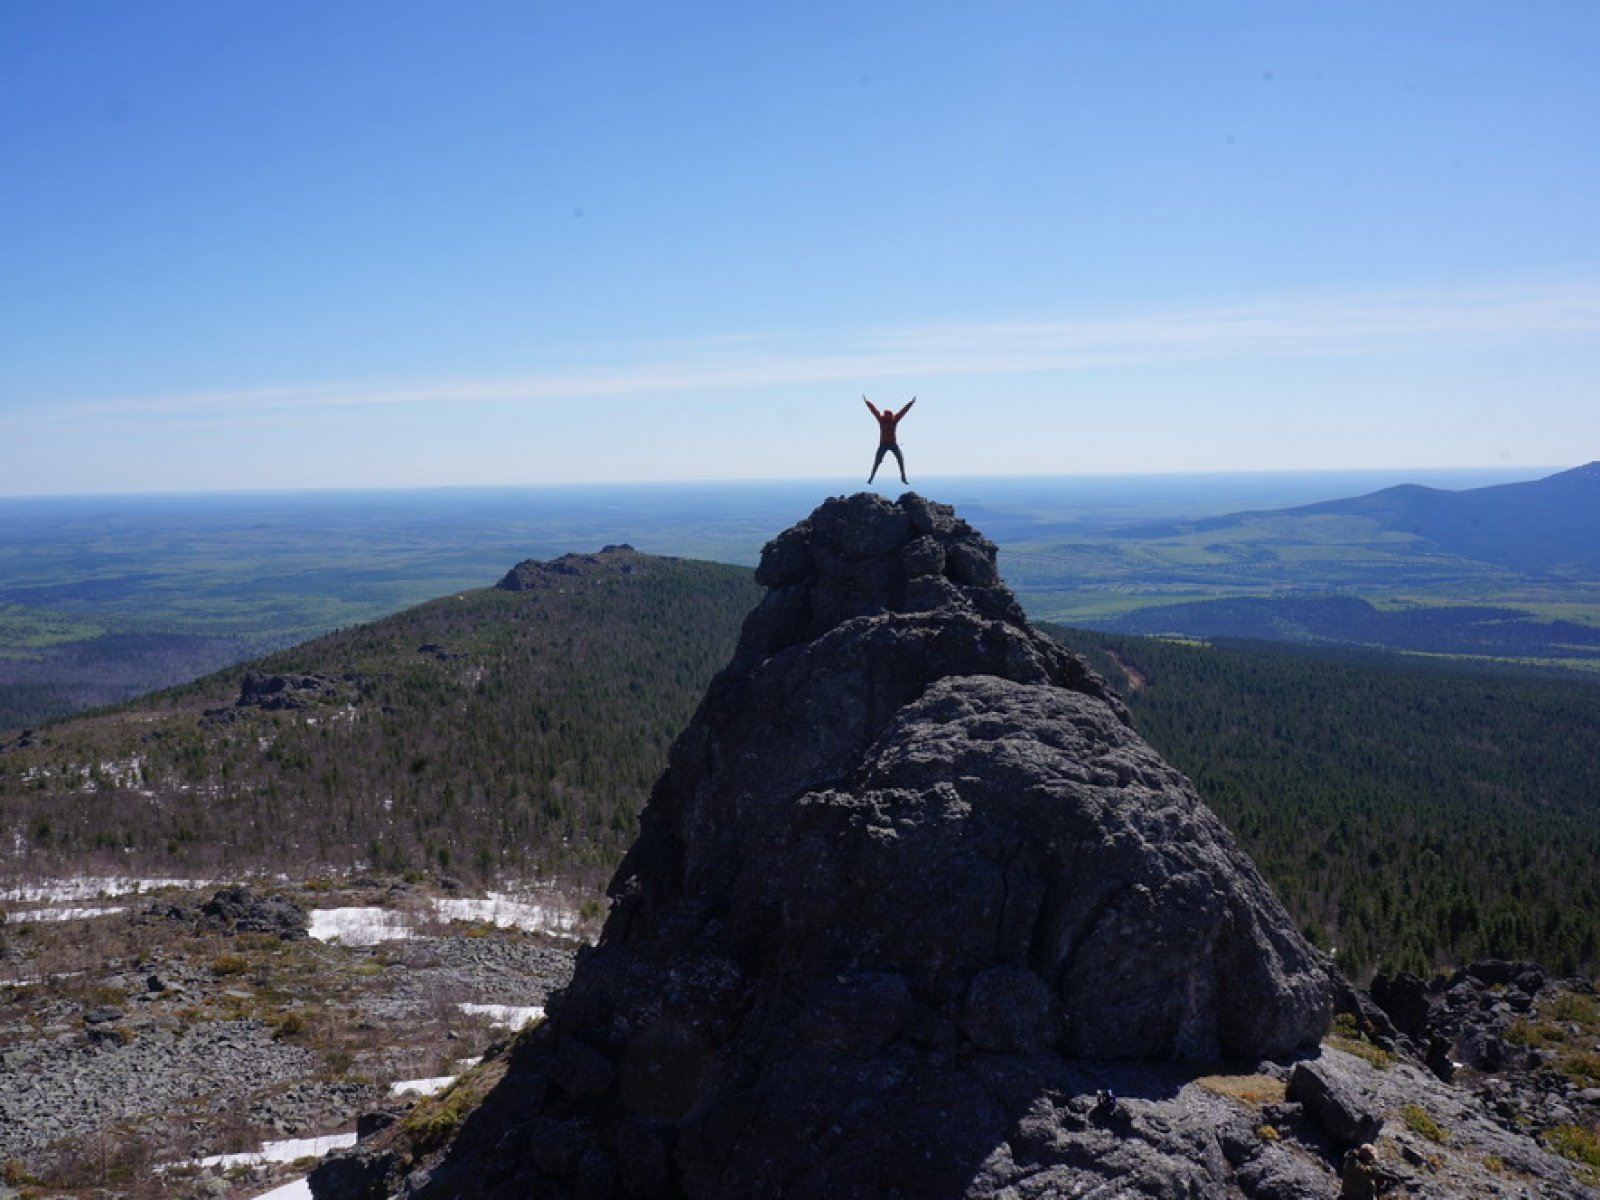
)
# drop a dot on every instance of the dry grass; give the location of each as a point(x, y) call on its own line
point(1253, 1090)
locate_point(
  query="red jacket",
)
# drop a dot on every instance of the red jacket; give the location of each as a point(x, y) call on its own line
point(887, 420)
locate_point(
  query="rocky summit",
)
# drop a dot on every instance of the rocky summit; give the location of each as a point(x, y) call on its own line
point(913, 912)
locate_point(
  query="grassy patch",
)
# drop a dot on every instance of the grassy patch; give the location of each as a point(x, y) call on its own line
point(1566, 1028)
point(1575, 1006)
point(1375, 1056)
point(1418, 1120)
point(435, 1119)
point(1580, 1143)
point(1254, 1090)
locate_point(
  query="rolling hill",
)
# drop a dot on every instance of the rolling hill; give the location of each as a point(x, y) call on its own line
point(1508, 571)
point(1547, 526)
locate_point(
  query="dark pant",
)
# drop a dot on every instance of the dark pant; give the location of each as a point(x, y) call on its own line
point(886, 448)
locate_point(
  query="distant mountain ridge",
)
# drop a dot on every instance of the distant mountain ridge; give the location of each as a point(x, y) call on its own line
point(1508, 571)
point(1549, 525)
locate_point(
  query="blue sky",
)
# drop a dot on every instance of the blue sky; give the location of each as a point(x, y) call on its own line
point(378, 244)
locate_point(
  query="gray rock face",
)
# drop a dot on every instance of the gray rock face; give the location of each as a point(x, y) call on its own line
point(1334, 1102)
point(906, 865)
point(941, 791)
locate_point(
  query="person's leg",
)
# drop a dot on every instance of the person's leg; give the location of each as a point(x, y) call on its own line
point(901, 459)
point(877, 461)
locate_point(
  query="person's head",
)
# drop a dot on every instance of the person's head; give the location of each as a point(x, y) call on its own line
point(1365, 1152)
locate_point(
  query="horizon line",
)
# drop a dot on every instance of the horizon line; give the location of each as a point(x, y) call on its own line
point(780, 481)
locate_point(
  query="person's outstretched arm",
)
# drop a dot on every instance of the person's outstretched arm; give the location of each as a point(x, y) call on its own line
point(871, 406)
point(904, 410)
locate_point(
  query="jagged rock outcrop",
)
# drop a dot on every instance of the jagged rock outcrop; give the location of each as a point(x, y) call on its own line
point(531, 574)
point(241, 910)
point(898, 773)
point(1462, 1019)
point(279, 692)
point(909, 870)
point(1480, 1027)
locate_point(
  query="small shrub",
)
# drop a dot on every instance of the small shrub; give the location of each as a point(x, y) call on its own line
point(1418, 1121)
point(1583, 1069)
point(1376, 1056)
point(1580, 1143)
point(230, 964)
point(1574, 1006)
point(436, 1118)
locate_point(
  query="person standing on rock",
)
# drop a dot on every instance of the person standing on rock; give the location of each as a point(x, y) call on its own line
point(887, 420)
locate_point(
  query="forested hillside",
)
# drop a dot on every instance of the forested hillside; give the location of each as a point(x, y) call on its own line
point(1409, 813)
point(493, 730)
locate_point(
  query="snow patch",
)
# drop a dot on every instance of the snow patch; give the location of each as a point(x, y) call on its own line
point(60, 891)
point(499, 908)
point(421, 1087)
point(281, 1152)
point(63, 914)
point(507, 1016)
point(368, 926)
point(300, 1189)
point(359, 926)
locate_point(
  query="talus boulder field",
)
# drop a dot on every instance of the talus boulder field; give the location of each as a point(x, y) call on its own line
point(909, 876)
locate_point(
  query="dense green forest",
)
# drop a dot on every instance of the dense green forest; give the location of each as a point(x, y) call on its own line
point(485, 732)
point(1411, 813)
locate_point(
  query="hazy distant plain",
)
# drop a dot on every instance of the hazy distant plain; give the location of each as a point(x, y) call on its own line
point(230, 575)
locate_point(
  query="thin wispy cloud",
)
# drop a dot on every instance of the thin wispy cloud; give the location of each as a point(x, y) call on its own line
point(1346, 325)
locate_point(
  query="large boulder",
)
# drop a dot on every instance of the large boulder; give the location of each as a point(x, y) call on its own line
point(908, 864)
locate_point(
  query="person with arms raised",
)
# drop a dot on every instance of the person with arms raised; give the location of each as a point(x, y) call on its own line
point(888, 419)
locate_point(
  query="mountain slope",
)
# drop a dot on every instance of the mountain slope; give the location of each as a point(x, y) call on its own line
point(1509, 571)
point(1549, 525)
point(504, 729)
point(1544, 525)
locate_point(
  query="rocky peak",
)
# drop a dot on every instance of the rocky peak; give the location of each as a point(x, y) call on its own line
point(907, 866)
point(864, 555)
point(532, 573)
